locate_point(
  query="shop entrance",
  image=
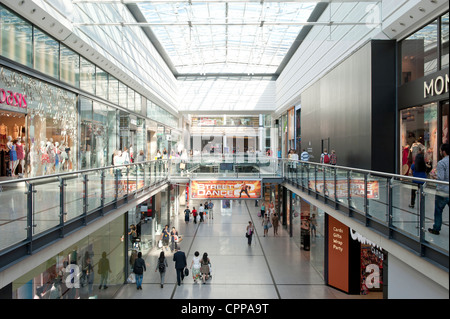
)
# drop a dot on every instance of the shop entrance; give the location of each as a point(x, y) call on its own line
point(12, 144)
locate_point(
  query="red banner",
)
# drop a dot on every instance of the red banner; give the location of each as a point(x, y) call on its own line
point(230, 189)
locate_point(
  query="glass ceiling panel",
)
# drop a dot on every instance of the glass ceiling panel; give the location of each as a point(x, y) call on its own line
point(218, 37)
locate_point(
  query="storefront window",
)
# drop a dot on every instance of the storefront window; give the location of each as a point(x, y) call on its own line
point(51, 279)
point(112, 134)
point(113, 90)
point(445, 123)
point(419, 53)
point(131, 100)
point(102, 83)
point(87, 76)
point(123, 101)
point(86, 133)
point(137, 103)
point(70, 66)
point(46, 54)
point(444, 41)
point(100, 135)
point(418, 130)
point(16, 38)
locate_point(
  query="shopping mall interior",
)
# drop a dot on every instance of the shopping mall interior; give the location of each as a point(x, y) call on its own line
point(302, 125)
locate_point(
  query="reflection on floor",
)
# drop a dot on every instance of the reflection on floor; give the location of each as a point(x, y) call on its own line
point(271, 268)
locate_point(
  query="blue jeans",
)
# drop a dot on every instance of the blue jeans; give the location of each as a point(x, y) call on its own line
point(439, 204)
point(139, 279)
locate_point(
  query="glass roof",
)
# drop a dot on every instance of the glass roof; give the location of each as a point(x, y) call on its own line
point(226, 37)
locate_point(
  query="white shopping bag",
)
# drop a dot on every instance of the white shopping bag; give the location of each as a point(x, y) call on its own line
point(131, 279)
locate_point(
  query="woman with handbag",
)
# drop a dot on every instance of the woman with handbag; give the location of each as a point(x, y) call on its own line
point(204, 268)
point(173, 239)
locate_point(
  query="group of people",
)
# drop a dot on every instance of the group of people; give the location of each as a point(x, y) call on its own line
point(127, 156)
point(269, 219)
point(204, 211)
point(325, 157)
point(419, 169)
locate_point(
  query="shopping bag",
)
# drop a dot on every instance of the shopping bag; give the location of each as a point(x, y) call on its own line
point(160, 243)
point(131, 279)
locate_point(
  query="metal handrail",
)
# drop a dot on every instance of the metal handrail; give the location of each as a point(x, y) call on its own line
point(30, 179)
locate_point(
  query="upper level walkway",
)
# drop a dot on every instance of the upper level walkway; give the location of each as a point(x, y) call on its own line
point(36, 211)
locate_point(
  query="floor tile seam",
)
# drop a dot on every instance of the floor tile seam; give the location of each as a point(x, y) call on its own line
point(264, 254)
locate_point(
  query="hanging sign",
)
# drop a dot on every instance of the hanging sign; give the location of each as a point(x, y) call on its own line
point(230, 189)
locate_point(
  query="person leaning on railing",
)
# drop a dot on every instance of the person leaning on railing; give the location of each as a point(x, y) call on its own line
point(442, 197)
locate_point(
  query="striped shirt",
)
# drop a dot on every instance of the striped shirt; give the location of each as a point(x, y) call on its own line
point(304, 156)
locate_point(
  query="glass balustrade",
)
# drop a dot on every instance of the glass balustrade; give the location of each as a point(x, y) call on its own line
point(32, 206)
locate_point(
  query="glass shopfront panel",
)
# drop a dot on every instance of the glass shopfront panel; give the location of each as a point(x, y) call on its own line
point(46, 54)
point(87, 76)
point(444, 41)
point(69, 66)
point(419, 131)
point(102, 83)
point(75, 272)
point(100, 135)
point(420, 53)
point(16, 38)
point(113, 89)
point(86, 133)
point(123, 101)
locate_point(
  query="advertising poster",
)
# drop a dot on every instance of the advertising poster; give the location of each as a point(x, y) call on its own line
point(338, 255)
point(229, 189)
point(356, 188)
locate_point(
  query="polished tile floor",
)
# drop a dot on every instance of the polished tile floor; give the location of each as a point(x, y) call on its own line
point(271, 268)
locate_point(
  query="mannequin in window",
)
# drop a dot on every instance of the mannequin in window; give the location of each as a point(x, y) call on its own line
point(13, 162)
point(45, 159)
point(3, 139)
point(33, 160)
point(20, 155)
point(57, 152)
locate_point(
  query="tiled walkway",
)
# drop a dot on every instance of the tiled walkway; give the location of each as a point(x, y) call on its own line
point(272, 268)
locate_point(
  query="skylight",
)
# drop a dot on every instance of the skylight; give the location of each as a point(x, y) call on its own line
point(226, 37)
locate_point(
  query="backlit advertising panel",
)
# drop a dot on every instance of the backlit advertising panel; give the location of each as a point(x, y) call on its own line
point(221, 189)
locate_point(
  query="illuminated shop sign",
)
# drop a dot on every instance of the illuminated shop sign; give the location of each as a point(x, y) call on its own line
point(230, 189)
point(436, 86)
point(13, 98)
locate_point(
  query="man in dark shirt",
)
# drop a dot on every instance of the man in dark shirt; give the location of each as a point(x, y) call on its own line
point(180, 263)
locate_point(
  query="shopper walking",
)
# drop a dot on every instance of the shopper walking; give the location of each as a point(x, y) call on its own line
point(103, 271)
point(275, 224)
point(442, 196)
point(333, 158)
point(325, 157)
point(304, 156)
point(161, 266)
point(138, 269)
point(194, 214)
point(249, 233)
point(265, 224)
point(187, 213)
point(418, 170)
point(173, 239)
point(195, 267)
point(205, 267)
point(200, 212)
point(211, 209)
point(263, 210)
point(165, 237)
point(180, 263)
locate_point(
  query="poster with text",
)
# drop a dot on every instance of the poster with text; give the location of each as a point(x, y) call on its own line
point(230, 189)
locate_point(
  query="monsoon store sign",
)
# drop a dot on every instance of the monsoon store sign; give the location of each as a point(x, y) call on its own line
point(230, 189)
